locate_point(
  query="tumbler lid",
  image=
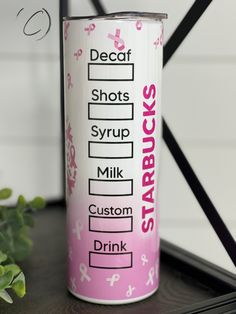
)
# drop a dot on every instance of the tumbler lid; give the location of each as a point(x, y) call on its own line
point(125, 15)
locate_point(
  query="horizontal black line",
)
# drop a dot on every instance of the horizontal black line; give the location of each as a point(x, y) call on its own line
point(99, 231)
point(110, 195)
point(111, 80)
point(98, 119)
point(103, 253)
point(111, 103)
point(123, 180)
point(111, 267)
point(98, 142)
point(101, 63)
point(122, 217)
point(99, 157)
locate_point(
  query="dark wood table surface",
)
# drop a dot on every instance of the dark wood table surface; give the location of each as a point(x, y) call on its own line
point(45, 272)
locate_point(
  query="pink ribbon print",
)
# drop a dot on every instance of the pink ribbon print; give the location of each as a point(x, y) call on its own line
point(139, 25)
point(69, 81)
point(71, 170)
point(66, 27)
point(78, 53)
point(119, 43)
point(90, 28)
point(159, 40)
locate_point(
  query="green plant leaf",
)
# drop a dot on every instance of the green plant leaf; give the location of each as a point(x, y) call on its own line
point(5, 280)
point(2, 270)
point(18, 285)
point(2, 210)
point(10, 260)
point(28, 220)
point(15, 243)
point(15, 269)
point(5, 193)
point(19, 277)
point(3, 257)
point(21, 202)
point(4, 245)
point(37, 203)
point(23, 246)
point(15, 219)
point(5, 296)
point(19, 288)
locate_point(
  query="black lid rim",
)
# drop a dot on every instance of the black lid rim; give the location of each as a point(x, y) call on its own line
point(121, 16)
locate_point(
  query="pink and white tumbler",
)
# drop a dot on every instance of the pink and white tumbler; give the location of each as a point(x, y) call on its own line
point(112, 70)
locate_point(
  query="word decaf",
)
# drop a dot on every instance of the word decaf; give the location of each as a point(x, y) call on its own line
point(95, 55)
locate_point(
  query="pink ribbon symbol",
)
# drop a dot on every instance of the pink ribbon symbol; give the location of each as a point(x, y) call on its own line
point(78, 53)
point(90, 28)
point(159, 40)
point(72, 157)
point(69, 81)
point(113, 279)
point(70, 254)
point(68, 133)
point(70, 183)
point(118, 42)
point(73, 284)
point(151, 274)
point(156, 43)
point(130, 290)
point(67, 24)
point(84, 272)
point(139, 25)
point(144, 259)
point(161, 37)
point(70, 153)
point(77, 230)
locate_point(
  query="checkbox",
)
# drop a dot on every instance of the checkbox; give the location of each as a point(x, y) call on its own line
point(110, 260)
point(110, 150)
point(110, 111)
point(110, 72)
point(110, 187)
point(110, 224)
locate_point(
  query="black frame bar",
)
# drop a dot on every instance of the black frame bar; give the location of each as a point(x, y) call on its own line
point(63, 11)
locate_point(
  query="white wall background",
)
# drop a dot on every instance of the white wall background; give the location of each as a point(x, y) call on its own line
point(30, 153)
point(198, 103)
